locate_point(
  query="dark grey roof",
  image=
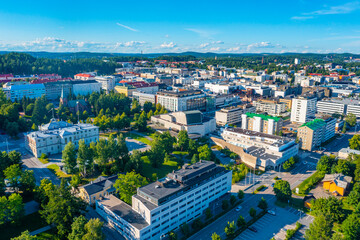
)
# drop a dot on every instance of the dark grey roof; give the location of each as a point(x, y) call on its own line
point(100, 184)
point(124, 211)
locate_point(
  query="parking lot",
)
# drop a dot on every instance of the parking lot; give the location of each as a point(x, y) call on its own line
point(269, 225)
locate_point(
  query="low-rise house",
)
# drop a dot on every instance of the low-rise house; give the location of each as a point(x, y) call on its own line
point(345, 152)
point(95, 190)
point(307, 201)
point(337, 183)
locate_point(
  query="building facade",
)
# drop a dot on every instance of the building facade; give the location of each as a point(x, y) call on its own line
point(182, 100)
point(260, 150)
point(107, 82)
point(84, 88)
point(163, 206)
point(312, 134)
point(144, 97)
point(52, 137)
point(192, 121)
point(261, 123)
point(272, 108)
point(232, 115)
point(303, 109)
point(17, 92)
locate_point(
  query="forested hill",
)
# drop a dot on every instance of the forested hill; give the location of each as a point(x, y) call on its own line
point(68, 64)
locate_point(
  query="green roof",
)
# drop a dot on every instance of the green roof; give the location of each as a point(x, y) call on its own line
point(264, 117)
point(314, 124)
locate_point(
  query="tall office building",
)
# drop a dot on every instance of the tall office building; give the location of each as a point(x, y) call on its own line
point(303, 109)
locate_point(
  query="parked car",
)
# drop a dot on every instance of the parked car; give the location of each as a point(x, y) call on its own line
point(271, 212)
point(251, 228)
point(238, 208)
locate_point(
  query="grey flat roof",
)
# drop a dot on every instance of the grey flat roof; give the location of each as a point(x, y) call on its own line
point(124, 211)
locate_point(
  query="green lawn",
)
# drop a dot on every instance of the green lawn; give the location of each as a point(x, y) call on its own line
point(30, 222)
point(44, 161)
point(139, 138)
point(56, 169)
point(161, 172)
point(180, 153)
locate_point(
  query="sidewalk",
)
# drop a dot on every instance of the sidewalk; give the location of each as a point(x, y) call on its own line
point(44, 229)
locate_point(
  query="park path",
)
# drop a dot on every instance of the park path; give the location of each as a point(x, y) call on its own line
point(40, 230)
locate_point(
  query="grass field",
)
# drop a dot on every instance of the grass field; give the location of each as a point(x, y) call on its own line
point(44, 161)
point(161, 172)
point(56, 169)
point(30, 222)
point(309, 183)
point(180, 153)
point(48, 235)
point(138, 137)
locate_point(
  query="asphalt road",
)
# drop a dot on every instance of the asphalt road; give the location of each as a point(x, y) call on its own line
point(40, 171)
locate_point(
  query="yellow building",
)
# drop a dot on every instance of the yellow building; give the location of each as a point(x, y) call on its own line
point(127, 90)
point(98, 188)
point(337, 184)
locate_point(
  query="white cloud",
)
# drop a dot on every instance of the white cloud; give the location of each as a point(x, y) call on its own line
point(60, 45)
point(201, 32)
point(131, 44)
point(204, 45)
point(302, 17)
point(260, 45)
point(233, 49)
point(342, 9)
point(218, 42)
point(168, 45)
point(333, 10)
point(127, 27)
point(214, 49)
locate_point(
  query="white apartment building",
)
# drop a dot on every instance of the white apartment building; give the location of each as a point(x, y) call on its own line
point(330, 107)
point(163, 206)
point(232, 115)
point(107, 82)
point(17, 92)
point(343, 106)
point(303, 109)
point(85, 87)
point(182, 100)
point(270, 107)
point(268, 150)
point(354, 109)
point(144, 97)
point(52, 137)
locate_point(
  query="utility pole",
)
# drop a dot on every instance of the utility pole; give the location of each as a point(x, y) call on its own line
point(77, 104)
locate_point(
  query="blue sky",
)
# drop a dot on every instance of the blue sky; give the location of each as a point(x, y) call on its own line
point(235, 26)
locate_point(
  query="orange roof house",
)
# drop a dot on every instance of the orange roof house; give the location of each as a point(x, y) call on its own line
point(307, 201)
point(337, 184)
